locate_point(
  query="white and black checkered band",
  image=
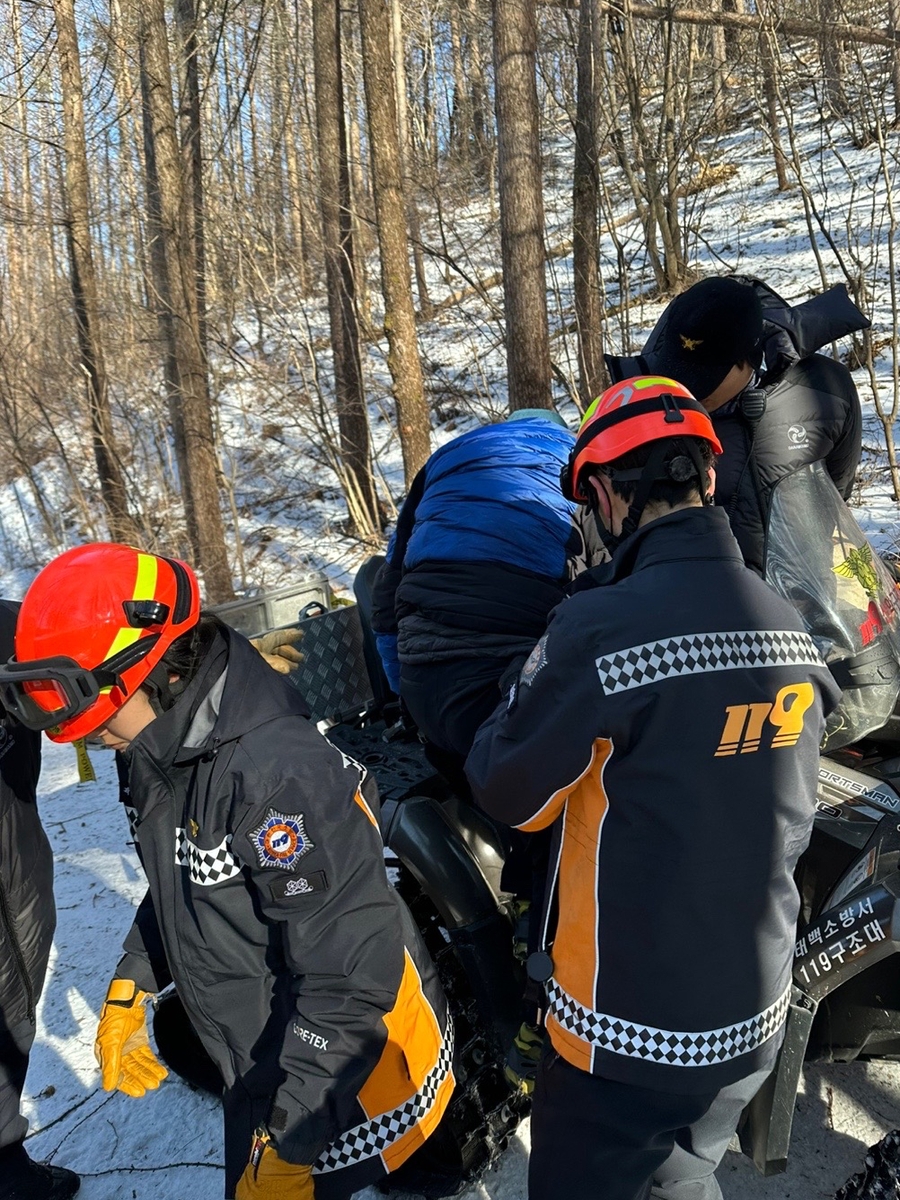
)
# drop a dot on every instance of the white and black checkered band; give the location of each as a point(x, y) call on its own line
point(703, 1049)
point(131, 814)
point(373, 1137)
point(697, 653)
point(206, 867)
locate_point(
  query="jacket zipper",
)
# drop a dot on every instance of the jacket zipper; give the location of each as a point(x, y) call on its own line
point(6, 920)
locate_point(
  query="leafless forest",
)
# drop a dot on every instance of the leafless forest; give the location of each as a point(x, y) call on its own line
point(244, 197)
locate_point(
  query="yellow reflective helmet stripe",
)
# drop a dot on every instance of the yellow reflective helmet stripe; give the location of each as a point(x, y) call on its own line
point(144, 589)
point(646, 381)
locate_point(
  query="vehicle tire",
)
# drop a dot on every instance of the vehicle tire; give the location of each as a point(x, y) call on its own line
point(485, 1110)
point(880, 1177)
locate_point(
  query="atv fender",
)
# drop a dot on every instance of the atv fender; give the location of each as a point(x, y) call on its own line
point(823, 962)
point(441, 856)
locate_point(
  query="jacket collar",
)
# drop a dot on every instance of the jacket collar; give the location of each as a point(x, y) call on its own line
point(234, 691)
point(682, 536)
point(253, 694)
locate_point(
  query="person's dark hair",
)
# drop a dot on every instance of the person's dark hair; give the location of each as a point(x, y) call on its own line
point(663, 491)
point(184, 656)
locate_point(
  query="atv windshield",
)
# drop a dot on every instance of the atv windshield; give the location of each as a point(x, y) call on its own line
point(819, 559)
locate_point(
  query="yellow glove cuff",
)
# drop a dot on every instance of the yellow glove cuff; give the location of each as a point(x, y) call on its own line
point(124, 992)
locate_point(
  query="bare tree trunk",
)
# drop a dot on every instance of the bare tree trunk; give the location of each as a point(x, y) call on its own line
point(25, 251)
point(390, 212)
point(831, 58)
point(359, 196)
point(521, 204)
point(406, 160)
point(768, 48)
point(670, 222)
point(337, 239)
point(719, 55)
point(192, 149)
point(733, 44)
point(482, 133)
point(461, 110)
point(178, 298)
point(894, 19)
point(285, 75)
point(84, 283)
point(585, 213)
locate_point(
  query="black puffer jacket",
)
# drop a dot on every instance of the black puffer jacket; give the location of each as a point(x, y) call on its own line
point(27, 911)
point(298, 965)
point(803, 409)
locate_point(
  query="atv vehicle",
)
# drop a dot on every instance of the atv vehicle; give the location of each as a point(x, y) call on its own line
point(846, 1001)
point(445, 859)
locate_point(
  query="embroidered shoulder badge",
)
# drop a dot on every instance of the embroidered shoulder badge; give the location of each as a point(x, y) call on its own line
point(535, 663)
point(280, 841)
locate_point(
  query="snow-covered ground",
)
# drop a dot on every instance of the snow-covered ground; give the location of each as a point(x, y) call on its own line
point(167, 1146)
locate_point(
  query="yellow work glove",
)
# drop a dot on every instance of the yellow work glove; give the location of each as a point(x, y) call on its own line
point(523, 1058)
point(279, 650)
point(122, 1049)
point(268, 1177)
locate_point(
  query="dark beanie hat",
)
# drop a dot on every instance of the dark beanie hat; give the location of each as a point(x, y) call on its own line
point(709, 329)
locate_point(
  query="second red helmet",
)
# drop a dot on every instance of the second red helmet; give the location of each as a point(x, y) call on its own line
point(646, 408)
point(92, 626)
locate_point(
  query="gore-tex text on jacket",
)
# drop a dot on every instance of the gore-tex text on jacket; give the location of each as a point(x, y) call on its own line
point(299, 966)
point(669, 720)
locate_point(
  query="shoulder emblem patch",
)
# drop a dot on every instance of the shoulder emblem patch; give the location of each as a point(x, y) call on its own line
point(281, 841)
point(535, 663)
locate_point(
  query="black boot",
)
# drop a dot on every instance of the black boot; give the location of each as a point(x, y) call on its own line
point(22, 1179)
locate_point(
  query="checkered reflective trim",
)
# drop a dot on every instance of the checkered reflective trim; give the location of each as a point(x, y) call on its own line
point(206, 867)
point(698, 653)
point(131, 814)
point(703, 1049)
point(373, 1137)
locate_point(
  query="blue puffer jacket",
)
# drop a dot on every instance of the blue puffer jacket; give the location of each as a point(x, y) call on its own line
point(491, 496)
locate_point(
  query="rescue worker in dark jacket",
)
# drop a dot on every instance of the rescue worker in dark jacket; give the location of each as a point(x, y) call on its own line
point(298, 965)
point(668, 723)
point(27, 922)
point(775, 404)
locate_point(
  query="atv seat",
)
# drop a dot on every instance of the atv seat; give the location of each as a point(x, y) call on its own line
point(363, 587)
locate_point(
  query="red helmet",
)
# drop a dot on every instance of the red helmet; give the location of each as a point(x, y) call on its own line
point(632, 413)
point(92, 627)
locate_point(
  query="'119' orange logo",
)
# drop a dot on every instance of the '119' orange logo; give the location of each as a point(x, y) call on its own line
point(745, 724)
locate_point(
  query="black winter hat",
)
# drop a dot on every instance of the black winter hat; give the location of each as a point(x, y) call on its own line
point(709, 329)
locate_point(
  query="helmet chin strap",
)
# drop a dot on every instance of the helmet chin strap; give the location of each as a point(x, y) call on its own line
point(653, 471)
point(607, 537)
point(650, 473)
point(160, 691)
